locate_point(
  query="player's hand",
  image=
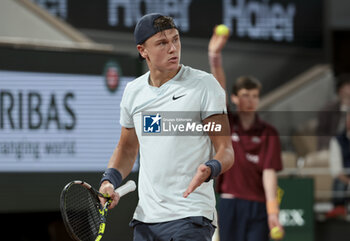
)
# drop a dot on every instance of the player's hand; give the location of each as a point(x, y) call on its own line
point(217, 43)
point(203, 172)
point(107, 188)
point(273, 221)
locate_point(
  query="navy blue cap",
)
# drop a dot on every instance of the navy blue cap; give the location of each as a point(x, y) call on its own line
point(145, 27)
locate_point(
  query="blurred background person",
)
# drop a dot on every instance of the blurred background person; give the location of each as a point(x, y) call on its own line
point(339, 158)
point(248, 207)
point(331, 118)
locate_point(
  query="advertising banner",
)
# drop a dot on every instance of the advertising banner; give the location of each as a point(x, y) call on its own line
point(58, 122)
point(290, 22)
point(296, 208)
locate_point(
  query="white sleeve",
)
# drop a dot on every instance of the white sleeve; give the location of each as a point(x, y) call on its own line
point(213, 98)
point(335, 158)
point(126, 119)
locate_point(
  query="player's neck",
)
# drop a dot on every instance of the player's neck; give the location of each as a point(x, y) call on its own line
point(247, 119)
point(158, 78)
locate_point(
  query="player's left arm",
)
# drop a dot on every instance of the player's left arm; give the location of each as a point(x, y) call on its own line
point(224, 152)
point(272, 204)
point(221, 141)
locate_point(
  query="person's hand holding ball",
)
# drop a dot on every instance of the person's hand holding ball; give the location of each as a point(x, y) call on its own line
point(276, 233)
point(222, 30)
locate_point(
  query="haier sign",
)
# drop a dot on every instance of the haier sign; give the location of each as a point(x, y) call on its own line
point(291, 22)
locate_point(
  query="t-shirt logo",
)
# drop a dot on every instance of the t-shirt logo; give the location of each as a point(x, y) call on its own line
point(256, 139)
point(252, 158)
point(152, 123)
point(235, 137)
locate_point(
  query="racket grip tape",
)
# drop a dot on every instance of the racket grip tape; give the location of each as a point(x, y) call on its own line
point(129, 186)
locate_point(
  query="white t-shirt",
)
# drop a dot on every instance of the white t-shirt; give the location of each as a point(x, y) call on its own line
point(168, 163)
point(335, 158)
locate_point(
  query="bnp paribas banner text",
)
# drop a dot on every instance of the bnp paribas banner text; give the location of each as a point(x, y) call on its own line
point(58, 122)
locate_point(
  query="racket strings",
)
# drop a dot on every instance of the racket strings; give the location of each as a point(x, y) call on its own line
point(82, 211)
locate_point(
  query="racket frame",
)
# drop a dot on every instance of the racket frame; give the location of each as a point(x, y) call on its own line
point(129, 186)
point(102, 210)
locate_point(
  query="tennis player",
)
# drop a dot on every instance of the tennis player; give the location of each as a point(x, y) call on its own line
point(248, 206)
point(176, 194)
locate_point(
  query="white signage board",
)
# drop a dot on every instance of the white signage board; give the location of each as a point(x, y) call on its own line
point(57, 122)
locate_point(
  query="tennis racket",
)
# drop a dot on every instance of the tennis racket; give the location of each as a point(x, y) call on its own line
point(82, 212)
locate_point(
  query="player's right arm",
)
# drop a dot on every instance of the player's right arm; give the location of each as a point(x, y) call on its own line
point(122, 159)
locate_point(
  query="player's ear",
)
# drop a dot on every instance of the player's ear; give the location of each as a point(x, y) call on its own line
point(234, 99)
point(142, 50)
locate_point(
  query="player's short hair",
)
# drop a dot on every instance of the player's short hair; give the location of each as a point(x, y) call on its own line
point(246, 82)
point(163, 23)
point(151, 24)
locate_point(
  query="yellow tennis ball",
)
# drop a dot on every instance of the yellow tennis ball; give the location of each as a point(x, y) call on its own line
point(222, 29)
point(276, 233)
